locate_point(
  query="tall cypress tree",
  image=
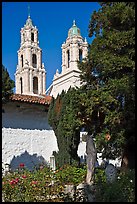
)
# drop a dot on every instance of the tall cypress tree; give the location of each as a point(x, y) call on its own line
point(62, 116)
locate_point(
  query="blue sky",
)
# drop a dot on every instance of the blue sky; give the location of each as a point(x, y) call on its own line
point(53, 20)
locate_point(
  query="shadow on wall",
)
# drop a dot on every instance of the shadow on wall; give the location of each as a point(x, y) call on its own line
point(31, 119)
point(30, 161)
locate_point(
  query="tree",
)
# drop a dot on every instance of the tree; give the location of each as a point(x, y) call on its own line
point(7, 85)
point(108, 74)
point(62, 116)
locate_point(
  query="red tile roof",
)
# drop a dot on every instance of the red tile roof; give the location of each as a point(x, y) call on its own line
point(45, 100)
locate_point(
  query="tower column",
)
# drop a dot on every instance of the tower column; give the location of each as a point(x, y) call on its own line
point(29, 57)
point(19, 59)
point(35, 36)
point(71, 56)
point(39, 59)
point(43, 83)
point(74, 57)
point(40, 82)
point(26, 81)
point(17, 83)
point(85, 51)
point(66, 59)
point(63, 60)
point(31, 82)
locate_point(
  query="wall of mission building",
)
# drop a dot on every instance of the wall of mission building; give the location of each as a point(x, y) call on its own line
point(26, 135)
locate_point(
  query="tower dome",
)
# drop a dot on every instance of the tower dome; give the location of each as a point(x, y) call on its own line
point(29, 22)
point(74, 30)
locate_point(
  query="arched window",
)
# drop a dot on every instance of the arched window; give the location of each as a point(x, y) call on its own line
point(32, 37)
point(68, 57)
point(80, 55)
point(22, 60)
point(21, 86)
point(35, 85)
point(34, 60)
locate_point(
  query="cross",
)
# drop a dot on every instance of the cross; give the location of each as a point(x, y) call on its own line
point(28, 10)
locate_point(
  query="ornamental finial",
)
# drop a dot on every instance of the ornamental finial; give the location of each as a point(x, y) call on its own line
point(74, 23)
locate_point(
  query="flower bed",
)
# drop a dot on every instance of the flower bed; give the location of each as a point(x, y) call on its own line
point(40, 185)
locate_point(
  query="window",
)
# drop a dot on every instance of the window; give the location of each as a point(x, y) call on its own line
point(35, 85)
point(34, 60)
point(32, 37)
point(21, 86)
point(68, 57)
point(22, 60)
point(80, 55)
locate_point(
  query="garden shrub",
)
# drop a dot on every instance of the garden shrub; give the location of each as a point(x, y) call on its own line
point(121, 190)
point(68, 174)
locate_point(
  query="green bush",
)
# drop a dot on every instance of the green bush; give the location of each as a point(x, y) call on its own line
point(121, 190)
point(71, 174)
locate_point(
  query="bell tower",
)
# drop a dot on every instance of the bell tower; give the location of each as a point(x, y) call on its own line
point(30, 76)
point(74, 49)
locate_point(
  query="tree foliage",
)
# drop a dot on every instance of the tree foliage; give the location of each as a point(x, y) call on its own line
point(109, 78)
point(105, 103)
point(7, 84)
point(62, 116)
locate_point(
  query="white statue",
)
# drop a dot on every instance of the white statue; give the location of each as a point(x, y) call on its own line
point(91, 158)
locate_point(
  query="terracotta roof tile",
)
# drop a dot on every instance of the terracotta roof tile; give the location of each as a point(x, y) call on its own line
point(45, 100)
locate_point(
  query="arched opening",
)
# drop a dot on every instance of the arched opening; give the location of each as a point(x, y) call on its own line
point(68, 58)
point(22, 60)
point(32, 37)
point(80, 55)
point(35, 85)
point(21, 86)
point(34, 60)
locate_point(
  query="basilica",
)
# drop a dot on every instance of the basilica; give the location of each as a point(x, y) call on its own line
point(26, 134)
point(30, 76)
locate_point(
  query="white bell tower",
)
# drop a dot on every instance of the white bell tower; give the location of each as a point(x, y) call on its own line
point(30, 76)
point(73, 50)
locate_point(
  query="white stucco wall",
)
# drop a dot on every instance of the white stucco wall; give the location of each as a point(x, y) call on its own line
point(27, 146)
point(26, 135)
